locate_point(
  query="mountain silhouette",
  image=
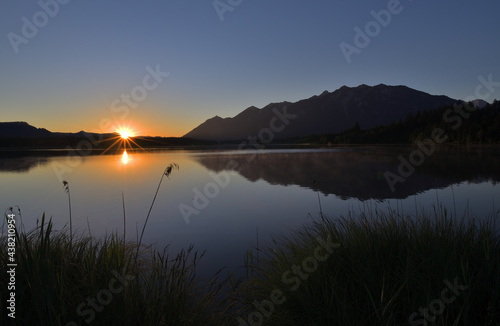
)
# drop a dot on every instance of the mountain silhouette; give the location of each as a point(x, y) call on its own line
point(327, 113)
point(22, 129)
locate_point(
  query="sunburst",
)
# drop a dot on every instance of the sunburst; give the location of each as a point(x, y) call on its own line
point(125, 133)
point(126, 136)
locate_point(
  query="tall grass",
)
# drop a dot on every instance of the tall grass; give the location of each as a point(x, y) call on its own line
point(57, 276)
point(166, 173)
point(388, 266)
point(66, 189)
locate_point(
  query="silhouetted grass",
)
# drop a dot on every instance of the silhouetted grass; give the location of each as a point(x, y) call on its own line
point(387, 267)
point(166, 173)
point(66, 189)
point(57, 278)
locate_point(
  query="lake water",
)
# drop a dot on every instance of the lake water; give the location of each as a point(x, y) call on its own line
point(222, 200)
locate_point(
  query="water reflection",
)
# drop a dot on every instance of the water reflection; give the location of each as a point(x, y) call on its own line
point(24, 161)
point(346, 173)
point(125, 157)
point(359, 172)
point(225, 227)
point(20, 162)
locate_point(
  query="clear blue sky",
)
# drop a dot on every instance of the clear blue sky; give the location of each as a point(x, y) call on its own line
point(66, 77)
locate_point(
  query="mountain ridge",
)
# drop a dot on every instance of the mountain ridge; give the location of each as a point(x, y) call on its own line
point(22, 129)
point(328, 112)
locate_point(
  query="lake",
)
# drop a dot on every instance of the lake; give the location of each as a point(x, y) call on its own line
point(224, 201)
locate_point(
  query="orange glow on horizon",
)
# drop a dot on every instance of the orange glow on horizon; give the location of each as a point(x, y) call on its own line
point(139, 127)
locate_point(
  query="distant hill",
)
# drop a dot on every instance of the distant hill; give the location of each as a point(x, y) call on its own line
point(21, 135)
point(22, 129)
point(328, 113)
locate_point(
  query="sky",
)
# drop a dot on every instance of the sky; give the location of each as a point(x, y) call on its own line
point(162, 67)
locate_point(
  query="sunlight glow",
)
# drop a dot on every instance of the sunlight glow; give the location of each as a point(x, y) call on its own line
point(125, 133)
point(123, 138)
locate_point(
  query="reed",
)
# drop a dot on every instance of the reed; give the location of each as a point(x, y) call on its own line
point(387, 268)
point(78, 281)
point(66, 189)
point(166, 173)
point(385, 271)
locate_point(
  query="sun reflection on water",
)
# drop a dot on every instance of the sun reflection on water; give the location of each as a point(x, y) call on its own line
point(125, 158)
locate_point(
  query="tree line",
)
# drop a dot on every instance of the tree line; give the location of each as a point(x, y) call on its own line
point(462, 123)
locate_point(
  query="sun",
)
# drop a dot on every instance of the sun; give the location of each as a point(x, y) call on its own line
point(125, 133)
point(124, 137)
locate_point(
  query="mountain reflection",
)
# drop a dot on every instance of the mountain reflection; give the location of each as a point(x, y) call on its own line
point(12, 162)
point(22, 161)
point(359, 172)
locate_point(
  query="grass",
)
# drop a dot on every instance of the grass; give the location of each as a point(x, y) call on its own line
point(166, 173)
point(66, 189)
point(388, 266)
point(386, 269)
point(379, 269)
point(58, 277)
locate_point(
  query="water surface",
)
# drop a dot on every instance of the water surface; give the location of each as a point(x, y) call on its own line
point(223, 200)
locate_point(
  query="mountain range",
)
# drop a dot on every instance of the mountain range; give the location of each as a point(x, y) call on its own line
point(327, 113)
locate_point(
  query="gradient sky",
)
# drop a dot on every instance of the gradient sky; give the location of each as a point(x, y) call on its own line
point(67, 75)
